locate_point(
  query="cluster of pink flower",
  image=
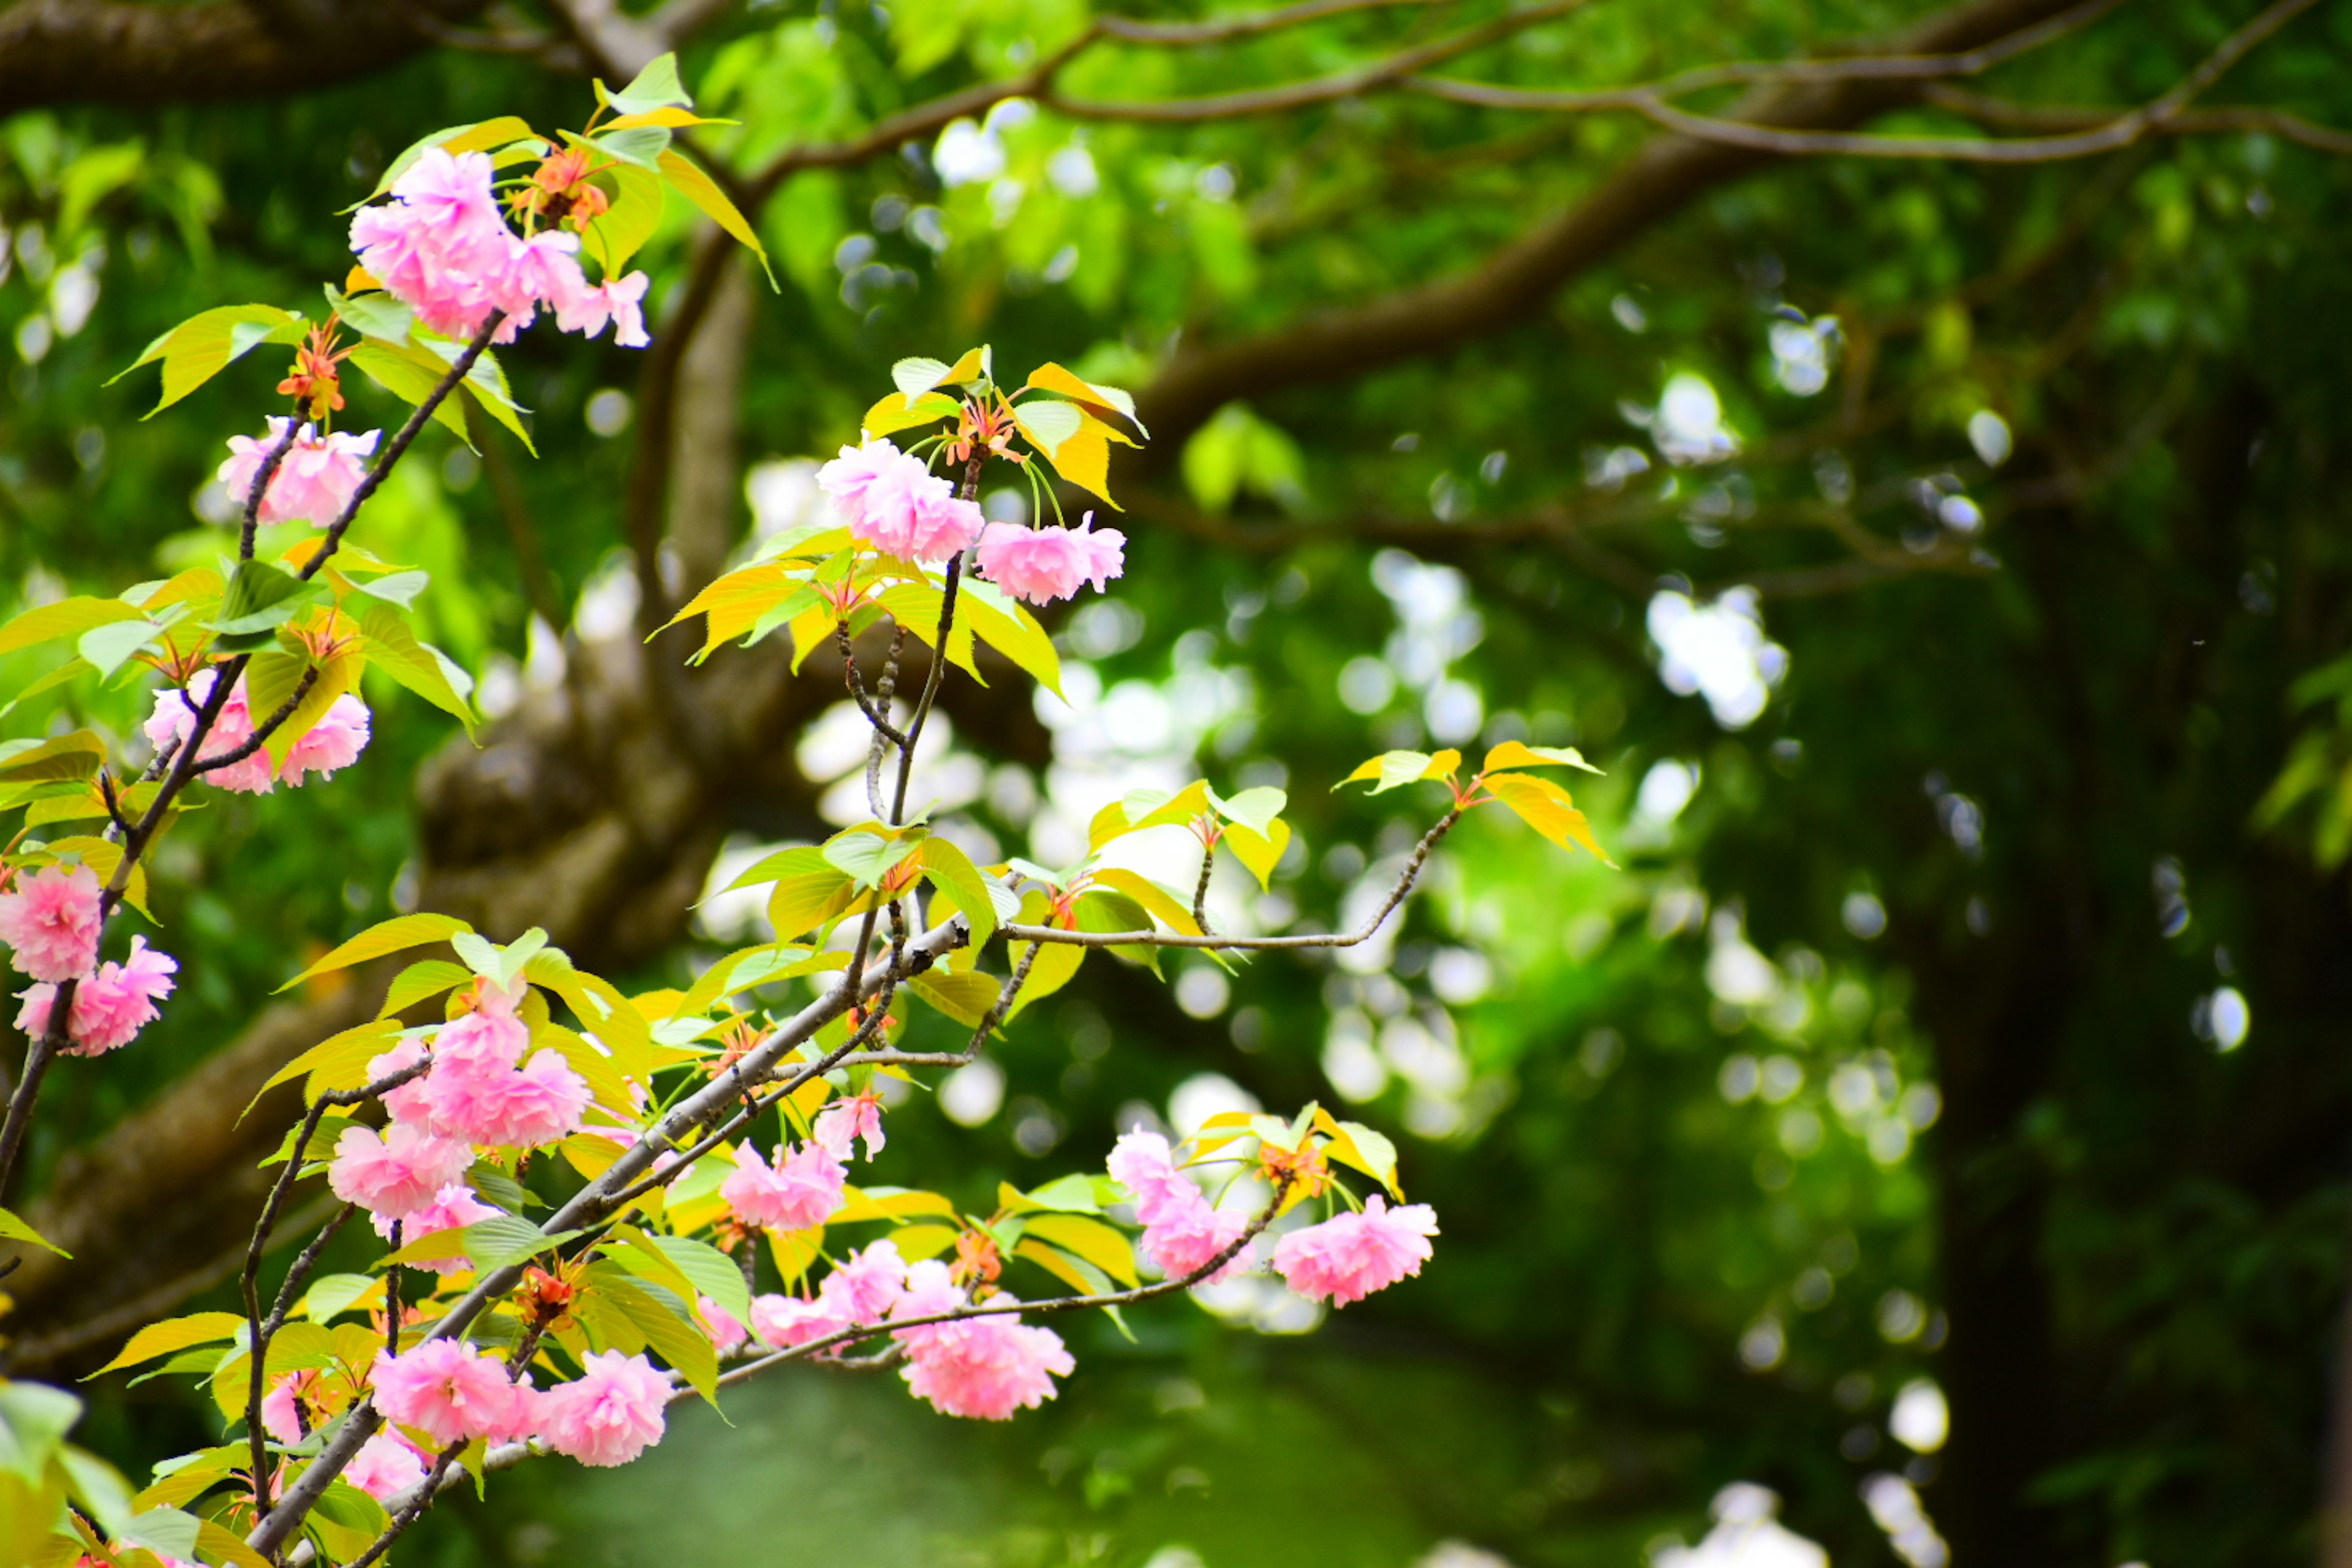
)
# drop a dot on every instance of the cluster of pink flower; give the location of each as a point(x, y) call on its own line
point(449, 1391)
point(49, 921)
point(898, 506)
point(442, 247)
point(478, 1091)
point(1182, 1231)
point(333, 744)
point(1343, 1259)
point(315, 480)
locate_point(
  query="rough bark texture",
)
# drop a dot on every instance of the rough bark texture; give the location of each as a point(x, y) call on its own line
point(100, 51)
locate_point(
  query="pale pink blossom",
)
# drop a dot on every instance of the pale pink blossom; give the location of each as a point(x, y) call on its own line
point(1041, 564)
point(801, 1189)
point(397, 1173)
point(174, 721)
point(784, 1321)
point(1349, 1256)
point(406, 1102)
point(334, 742)
point(842, 1123)
point(479, 1102)
point(865, 1288)
point(51, 923)
point(453, 1207)
point(618, 299)
point(109, 1007)
point(440, 244)
point(489, 1032)
point(315, 480)
point(287, 1408)
point(610, 1414)
point(930, 1290)
point(984, 1367)
point(449, 1391)
point(537, 271)
point(726, 1329)
point(1182, 1231)
point(384, 1467)
point(862, 478)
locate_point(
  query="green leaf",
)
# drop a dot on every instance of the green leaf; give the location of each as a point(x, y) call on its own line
point(699, 188)
point(1254, 809)
point(1006, 626)
point(713, 1273)
point(679, 1342)
point(205, 344)
point(410, 373)
point(108, 649)
point(487, 1243)
point(953, 868)
point(372, 315)
point(1261, 852)
point(261, 598)
point(394, 935)
point(1098, 1243)
point(337, 1062)
point(917, 375)
point(14, 1229)
point(1518, 754)
point(74, 756)
point(638, 146)
point(966, 997)
point(634, 213)
point(1048, 423)
point(398, 587)
point(176, 1334)
point(1101, 908)
point(1394, 770)
point(66, 618)
point(867, 856)
point(172, 1531)
point(420, 666)
point(419, 981)
point(652, 87)
point(332, 1295)
point(478, 137)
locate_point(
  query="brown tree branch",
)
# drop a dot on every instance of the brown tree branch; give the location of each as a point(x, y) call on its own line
point(107, 51)
point(1517, 281)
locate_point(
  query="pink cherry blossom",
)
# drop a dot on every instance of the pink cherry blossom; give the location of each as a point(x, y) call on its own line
point(449, 1390)
point(610, 1414)
point(801, 1189)
point(865, 1289)
point(439, 245)
point(332, 743)
point(109, 1007)
point(985, 1367)
point(315, 480)
point(896, 505)
point(174, 721)
point(930, 1290)
point(727, 1331)
point(1182, 1231)
point(453, 1207)
point(842, 1123)
point(51, 923)
point(618, 300)
point(490, 1032)
point(862, 479)
point(406, 1102)
point(1041, 564)
point(398, 1172)
point(784, 1321)
point(537, 270)
point(1349, 1256)
point(477, 1100)
point(384, 1467)
point(286, 1407)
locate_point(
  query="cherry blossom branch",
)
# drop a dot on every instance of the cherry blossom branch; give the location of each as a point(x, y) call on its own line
point(590, 1205)
point(460, 368)
point(1156, 937)
point(268, 727)
point(261, 478)
point(263, 1331)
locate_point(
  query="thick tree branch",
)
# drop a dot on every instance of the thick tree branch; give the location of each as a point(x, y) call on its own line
point(1517, 281)
point(104, 51)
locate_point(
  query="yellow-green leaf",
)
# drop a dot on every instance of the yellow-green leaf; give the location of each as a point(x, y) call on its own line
point(1518, 754)
point(1546, 807)
point(175, 1334)
point(704, 192)
point(396, 935)
point(12, 1229)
